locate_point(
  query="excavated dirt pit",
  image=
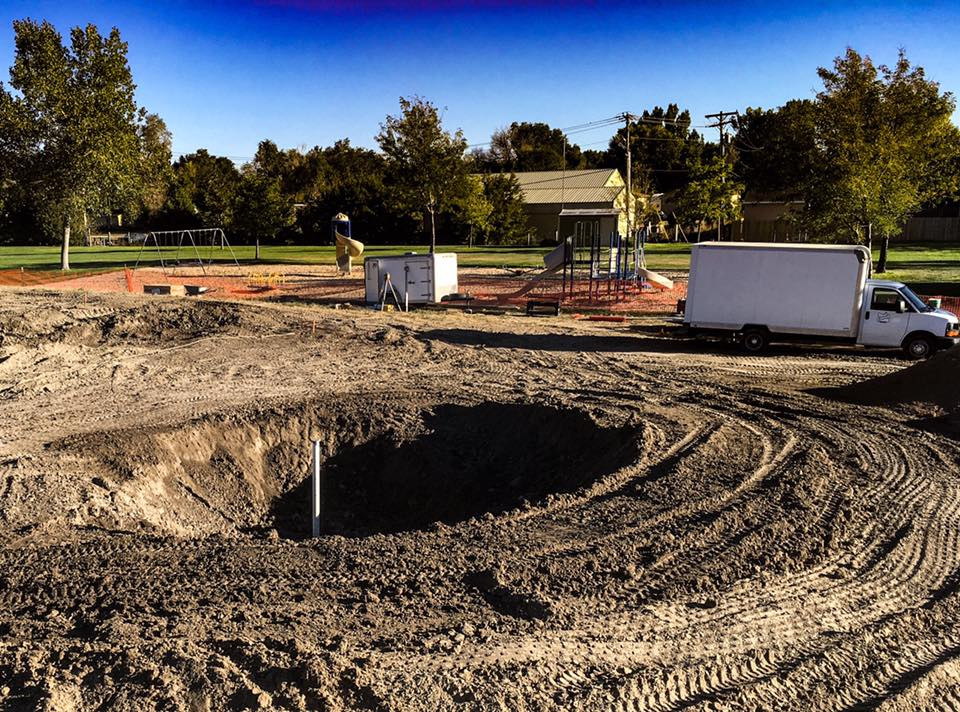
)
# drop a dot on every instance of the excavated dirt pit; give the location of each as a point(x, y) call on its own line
point(388, 467)
point(766, 548)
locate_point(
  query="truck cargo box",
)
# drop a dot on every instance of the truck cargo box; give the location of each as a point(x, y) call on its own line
point(789, 289)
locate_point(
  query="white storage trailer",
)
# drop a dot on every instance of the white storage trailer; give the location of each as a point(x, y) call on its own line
point(758, 292)
point(417, 279)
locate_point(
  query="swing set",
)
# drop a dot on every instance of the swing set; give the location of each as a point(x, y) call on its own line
point(193, 240)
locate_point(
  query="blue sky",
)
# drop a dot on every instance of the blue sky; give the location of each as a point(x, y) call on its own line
point(225, 75)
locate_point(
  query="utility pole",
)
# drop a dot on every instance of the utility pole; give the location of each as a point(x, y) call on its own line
point(723, 118)
point(627, 117)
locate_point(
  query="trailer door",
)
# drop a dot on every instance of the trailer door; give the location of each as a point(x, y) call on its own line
point(884, 324)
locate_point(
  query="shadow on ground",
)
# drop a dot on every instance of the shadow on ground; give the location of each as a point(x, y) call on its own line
point(657, 340)
point(466, 461)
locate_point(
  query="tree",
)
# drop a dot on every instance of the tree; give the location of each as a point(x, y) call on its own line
point(525, 146)
point(776, 149)
point(507, 220)
point(204, 187)
point(712, 193)
point(426, 164)
point(156, 153)
point(471, 211)
point(301, 175)
point(885, 140)
point(662, 145)
point(259, 208)
point(354, 182)
point(75, 122)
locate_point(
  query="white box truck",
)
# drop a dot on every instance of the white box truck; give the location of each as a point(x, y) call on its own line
point(760, 292)
point(417, 279)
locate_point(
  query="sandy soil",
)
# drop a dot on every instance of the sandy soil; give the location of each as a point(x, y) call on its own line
point(520, 514)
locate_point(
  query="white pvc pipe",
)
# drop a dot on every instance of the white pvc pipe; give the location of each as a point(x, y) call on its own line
point(315, 489)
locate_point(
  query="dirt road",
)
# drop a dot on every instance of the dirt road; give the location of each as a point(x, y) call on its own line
point(520, 514)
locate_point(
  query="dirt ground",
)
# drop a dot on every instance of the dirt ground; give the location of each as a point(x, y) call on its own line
point(519, 514)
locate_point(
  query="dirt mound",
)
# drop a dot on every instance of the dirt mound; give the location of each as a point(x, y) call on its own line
point(935, 382)
point(97, 325)
point(389, 466)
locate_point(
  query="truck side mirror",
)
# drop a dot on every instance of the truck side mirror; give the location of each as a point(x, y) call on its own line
point(901, 307)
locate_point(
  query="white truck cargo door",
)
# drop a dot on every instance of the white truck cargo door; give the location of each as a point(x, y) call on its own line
point(883, 324)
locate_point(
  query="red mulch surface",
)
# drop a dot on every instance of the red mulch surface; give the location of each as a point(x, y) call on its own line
point(33, 277)
point(320, 284)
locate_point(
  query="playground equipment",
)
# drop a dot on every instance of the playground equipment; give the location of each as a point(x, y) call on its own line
point(613, 266)
point(347, 248)
point(209, 238)
point(610, 268)
point(413, 278)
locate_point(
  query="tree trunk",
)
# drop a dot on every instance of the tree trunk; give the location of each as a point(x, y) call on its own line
point(433, 233)
point(882, 265)
point(65, 248)
point(86, 229)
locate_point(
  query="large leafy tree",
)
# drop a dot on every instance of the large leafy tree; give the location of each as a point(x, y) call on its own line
point(301, 175)
point(156, 152)
point(204, 189)
point(506, 223)
point(260, 210)
point(526, 146)
point(426, 164)
point(886, 144)
point(776, 149)
point(72, 122)
point(662, 145)
point(712, 193)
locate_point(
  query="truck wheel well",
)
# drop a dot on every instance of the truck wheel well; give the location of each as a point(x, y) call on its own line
point(914, 349)
point(917, 334)
point(755, 327)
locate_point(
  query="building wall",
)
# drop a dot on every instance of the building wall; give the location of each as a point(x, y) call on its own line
point(544, 220)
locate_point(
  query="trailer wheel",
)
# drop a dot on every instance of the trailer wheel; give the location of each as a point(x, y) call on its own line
point(918, 347)
point(755, 341)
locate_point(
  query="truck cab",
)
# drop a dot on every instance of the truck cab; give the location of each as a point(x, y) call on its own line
point(893, 316)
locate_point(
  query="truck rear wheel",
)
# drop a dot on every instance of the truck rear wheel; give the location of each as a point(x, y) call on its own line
point(755, 340)
point(918, 347)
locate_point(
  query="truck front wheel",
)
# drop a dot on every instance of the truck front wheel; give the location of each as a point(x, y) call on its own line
point(918, 347)
point(756, 340)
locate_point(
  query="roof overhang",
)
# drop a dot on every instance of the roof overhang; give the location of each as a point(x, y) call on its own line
point(589, 212)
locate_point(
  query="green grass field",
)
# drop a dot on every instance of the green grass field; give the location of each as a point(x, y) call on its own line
point(667, 257)
point(930, 269)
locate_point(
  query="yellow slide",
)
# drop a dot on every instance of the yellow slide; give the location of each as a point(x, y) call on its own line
point(347, 249)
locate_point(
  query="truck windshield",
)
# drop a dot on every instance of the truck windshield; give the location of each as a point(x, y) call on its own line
point(915, 301)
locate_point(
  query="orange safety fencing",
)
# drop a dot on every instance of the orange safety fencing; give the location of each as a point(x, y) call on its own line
point(951, 304)
point(487, 287)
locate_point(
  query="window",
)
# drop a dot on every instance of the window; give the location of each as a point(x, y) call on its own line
point(885, 299)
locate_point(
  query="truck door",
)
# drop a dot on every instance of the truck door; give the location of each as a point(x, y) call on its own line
point(883, 323)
